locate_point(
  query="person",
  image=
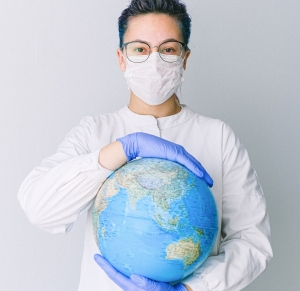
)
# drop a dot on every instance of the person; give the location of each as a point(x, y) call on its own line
point(153, 53)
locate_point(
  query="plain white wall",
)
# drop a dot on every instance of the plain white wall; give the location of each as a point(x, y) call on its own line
point(58, 64)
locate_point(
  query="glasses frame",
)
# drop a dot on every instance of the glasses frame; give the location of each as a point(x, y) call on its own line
point(184, 46)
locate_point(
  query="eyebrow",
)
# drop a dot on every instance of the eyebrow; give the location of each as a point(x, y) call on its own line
point(169, 39)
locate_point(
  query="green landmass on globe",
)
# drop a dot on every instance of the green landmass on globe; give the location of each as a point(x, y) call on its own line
point(155, 218)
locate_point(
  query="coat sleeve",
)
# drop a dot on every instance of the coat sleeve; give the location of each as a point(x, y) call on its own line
point(245, 247)
point(62, 188)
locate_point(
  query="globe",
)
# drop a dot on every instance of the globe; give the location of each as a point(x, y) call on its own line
point(155, 218)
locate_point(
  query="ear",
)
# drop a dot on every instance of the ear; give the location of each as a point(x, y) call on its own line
point(185, 59)
point(122, 61)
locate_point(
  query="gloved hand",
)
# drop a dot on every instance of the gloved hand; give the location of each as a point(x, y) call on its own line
point(135, 282)
point(145, 145)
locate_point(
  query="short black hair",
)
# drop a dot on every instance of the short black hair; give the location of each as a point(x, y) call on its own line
point(173, 8)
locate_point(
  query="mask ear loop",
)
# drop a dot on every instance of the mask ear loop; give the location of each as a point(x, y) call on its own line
point(179, 91)
point(125, 60)
point(123, 56)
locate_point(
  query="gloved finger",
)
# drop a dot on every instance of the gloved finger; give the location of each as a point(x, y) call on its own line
point(205, 176)
point(112, 273)
point(186, 159)
point(150, 285)
point(146, 284)
point(142, 282)
point(106, 266)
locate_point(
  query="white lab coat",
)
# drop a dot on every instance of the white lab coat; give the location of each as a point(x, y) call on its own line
point(64, 186)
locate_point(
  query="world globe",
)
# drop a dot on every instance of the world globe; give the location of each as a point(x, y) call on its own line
point(155, 218)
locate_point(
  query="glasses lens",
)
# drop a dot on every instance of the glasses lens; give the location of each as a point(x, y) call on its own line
point(170, 51)
point(137, 52)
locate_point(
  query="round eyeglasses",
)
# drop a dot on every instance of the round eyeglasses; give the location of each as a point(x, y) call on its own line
point(139, 52)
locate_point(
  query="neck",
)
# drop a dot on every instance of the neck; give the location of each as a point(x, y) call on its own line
point(170, 107)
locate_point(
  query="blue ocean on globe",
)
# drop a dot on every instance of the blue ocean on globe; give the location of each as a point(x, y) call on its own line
point(155, 218)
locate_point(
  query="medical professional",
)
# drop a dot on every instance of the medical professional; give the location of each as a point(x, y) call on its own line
point(153, 55)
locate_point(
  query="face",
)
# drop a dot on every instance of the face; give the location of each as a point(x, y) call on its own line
point(153, 29)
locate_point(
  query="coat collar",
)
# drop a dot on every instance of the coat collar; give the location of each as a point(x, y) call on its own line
point(162, 123)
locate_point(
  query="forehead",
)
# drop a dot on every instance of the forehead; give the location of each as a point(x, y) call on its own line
point(152, 28)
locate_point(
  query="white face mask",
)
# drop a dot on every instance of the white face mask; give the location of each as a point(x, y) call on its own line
point(154, 81)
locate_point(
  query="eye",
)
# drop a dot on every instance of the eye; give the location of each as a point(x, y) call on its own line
point(139, 50)
point(169, 50)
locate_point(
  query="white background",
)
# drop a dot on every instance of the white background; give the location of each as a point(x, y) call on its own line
point(58, 64)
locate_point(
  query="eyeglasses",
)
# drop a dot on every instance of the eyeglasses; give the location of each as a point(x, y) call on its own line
point(169, 51)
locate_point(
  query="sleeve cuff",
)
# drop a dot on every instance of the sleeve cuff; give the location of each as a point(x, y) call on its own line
point(196, 282)
point(94, 170)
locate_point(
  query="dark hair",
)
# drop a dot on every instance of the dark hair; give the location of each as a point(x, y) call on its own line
point(173, 8)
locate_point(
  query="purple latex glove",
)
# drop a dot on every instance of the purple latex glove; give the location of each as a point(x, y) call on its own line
point(145, 145)
point(135, 282)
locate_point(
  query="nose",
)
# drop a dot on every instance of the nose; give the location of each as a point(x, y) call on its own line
point(154, 49)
